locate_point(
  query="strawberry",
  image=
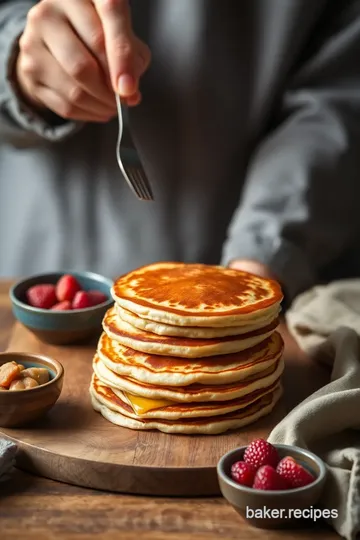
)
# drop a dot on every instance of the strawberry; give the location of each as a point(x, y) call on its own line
point(41, 296)
point(243, 473)
point(295, 475)
point(67, 287)
point(260, 452)
point(97, 297)
point(266, 478)
point(62, 306)
point(81, 300)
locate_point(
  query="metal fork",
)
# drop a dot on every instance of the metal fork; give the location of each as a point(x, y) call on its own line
point(129, 162)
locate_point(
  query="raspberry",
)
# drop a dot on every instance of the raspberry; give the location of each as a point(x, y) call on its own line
point(260, 452)
point(243, 473)
point(41, 296)
point(62, 306)
point(266, 478)
point(97, 297)
point(295, 475)
point(81, 300)
point(67, 287)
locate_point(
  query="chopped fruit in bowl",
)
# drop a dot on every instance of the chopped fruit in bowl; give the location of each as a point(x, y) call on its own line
point(277, 477)
point(67, 287)
point(81, 300)
point(30, 385)
point(295, 474)
point(66, 294)
point(262, 468)
point(15, 376)
point(97, 297)
point(260, 452)
point(42, 296)
point(268, 479)
point(243, 473)
point(62, 308)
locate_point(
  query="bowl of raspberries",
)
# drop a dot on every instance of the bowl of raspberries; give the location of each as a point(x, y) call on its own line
point(62, 308)
point(272, 486)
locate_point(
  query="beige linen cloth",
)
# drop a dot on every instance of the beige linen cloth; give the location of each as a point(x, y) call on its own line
point(7, 458)
point(325, 321)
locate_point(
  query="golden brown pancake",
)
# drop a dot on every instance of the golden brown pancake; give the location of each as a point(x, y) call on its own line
point(102, 402)
point(197, 295)
point(176, 411)
point(191, 392)
point(147, 342)
point(189, 348)
point(197, 332)
point(177, 371)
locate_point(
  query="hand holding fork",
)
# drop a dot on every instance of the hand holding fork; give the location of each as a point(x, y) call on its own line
point(73, 56)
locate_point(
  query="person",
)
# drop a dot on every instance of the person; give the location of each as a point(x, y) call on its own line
point(246, 117)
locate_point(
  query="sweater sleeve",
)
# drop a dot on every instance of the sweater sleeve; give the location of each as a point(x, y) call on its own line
point(300, 209)
point(18, 122)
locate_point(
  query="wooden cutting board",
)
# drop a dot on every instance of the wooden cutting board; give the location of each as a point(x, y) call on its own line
point(76, 445)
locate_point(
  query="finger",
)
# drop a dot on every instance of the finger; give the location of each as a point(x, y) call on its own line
point(76, 60)
point(119, 44)
point(142, 58)
point(140, 67)
point(58, 104)
point(42, 68)
point(87, 25)
point(134, 100)
point(253, 267)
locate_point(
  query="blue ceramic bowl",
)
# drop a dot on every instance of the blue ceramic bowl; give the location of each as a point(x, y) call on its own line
point(62, 327)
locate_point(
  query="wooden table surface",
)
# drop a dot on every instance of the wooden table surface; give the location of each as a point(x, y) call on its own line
point(36, 508)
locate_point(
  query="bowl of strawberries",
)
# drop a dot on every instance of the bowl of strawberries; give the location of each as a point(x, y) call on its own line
point(62, 308)
point(272, 486)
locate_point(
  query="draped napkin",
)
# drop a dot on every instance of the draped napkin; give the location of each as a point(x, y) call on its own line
point(325, 322)
point(7, 458)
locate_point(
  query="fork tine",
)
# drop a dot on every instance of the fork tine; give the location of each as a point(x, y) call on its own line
point(134, 175)
point(145, 182)
point(141, 182)
point(133, 185)
point(141, 179)
point(138, 187)
point(132, 171)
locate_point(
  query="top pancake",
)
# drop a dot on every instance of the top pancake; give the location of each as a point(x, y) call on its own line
point(197, 295)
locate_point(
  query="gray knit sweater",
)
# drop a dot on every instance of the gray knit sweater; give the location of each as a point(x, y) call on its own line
point(249, 130)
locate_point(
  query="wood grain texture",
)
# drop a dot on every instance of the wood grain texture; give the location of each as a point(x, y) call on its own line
point(39, 509)
point(74, 444)
point(6, 318)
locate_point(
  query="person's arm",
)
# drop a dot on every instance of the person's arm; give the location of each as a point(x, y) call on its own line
point(20, 122)
point(301, 206)
point(61, 62)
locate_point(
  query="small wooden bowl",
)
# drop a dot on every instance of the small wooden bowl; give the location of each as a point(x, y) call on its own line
point(274, 509)
point(20, 407)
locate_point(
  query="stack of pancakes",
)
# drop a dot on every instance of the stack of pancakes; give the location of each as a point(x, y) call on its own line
point(189, 348)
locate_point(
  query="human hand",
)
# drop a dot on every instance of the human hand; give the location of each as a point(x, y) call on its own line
point(75, 54)
point(259, 269)
point(253, 267)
